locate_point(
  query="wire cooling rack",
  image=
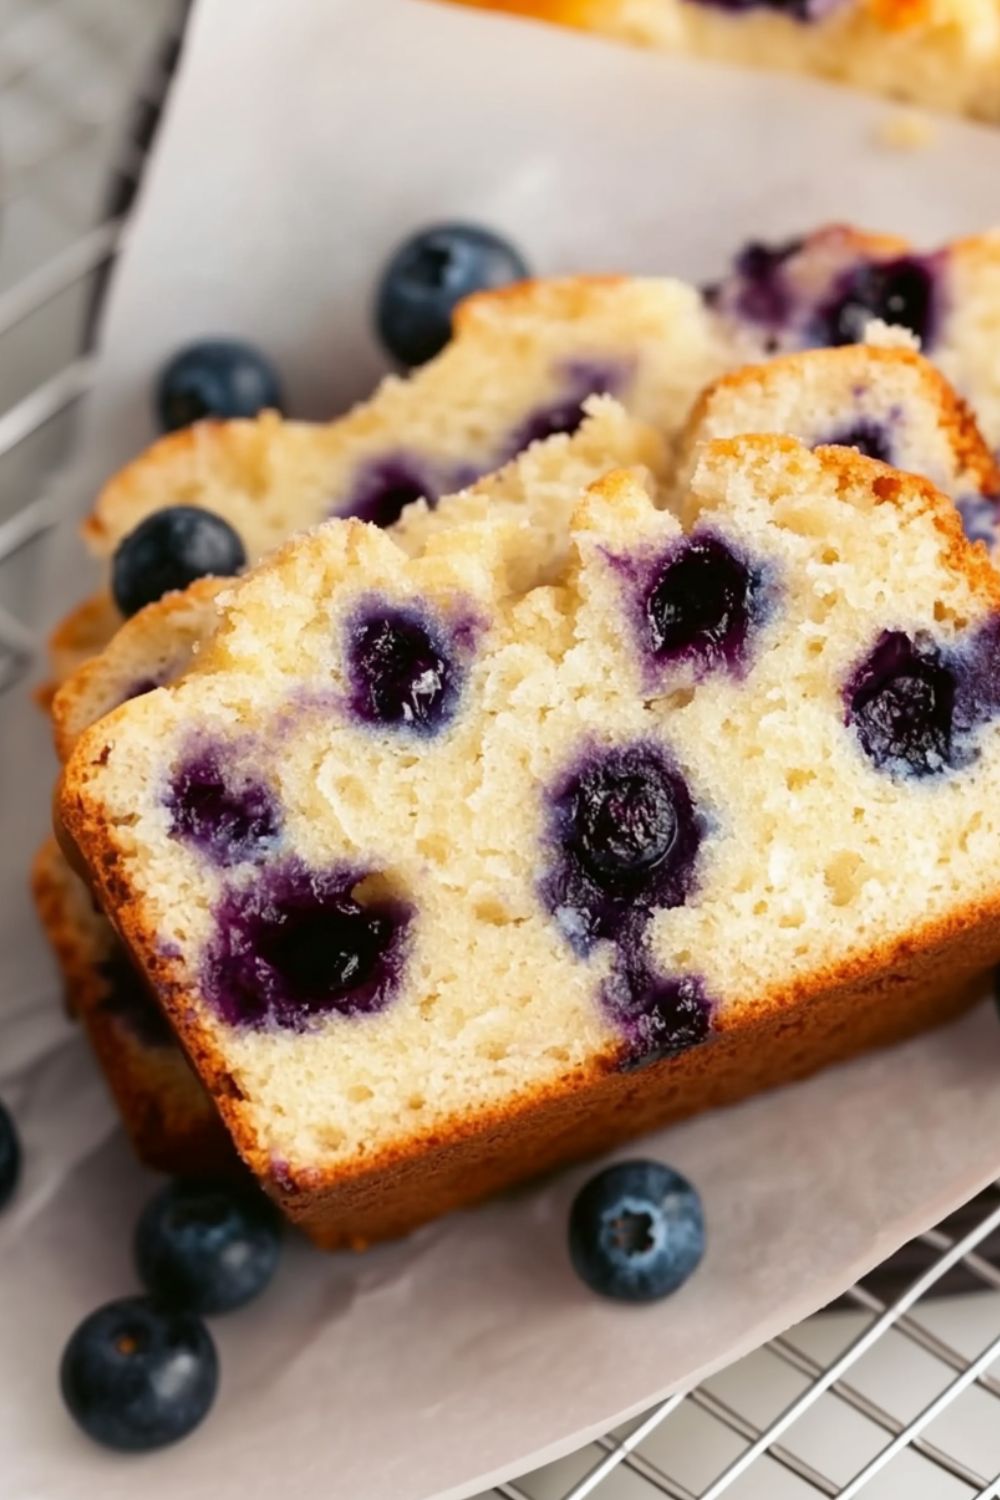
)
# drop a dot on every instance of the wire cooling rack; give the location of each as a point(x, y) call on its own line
point(888, 1394)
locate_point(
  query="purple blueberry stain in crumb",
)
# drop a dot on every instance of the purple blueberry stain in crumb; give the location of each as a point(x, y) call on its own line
point(298, 945)
point(762, 294)
point(220, 810)
point(384, 487)
point(623, 837)
point(868, 436)
point(698, 602)
point(576, 380)
point(903, 292)
point(129, 1002)
point(981, 518)
point(404, 668)
point(657, 1015)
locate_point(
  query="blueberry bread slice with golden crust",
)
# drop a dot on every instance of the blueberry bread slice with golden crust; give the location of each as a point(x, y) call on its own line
point(823, 289)
point(519, 368)
point(168, 1116)
point(443, 885)
point(537, 491)
point(944, 54)
point(888, 403)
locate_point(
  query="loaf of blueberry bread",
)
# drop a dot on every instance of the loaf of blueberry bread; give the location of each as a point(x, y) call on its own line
point(946, 54)
point(169, 1117)
point(443, 884)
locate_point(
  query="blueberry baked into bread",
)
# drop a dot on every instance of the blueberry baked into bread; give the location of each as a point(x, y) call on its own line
point(442, 883)
point(942, 53)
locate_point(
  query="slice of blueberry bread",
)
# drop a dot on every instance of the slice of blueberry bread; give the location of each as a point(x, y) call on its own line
point(537, 492)
point(889, 403)
point(444, 885)
point(945, 54)
point(520, 366)
point(824, 288)
point(169, 1117)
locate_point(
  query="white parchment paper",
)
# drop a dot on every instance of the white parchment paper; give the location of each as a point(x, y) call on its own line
point(302, 141)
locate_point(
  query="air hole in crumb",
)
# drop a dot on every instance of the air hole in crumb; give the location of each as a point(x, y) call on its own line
point(844, 877)
point(760, 907)
point(829, 555)
point(433, 848)
point(673, 701)
point(560, 1054)
point(492, 911)
point(374, 887)
point(799, 777)
point(329, 1138)
point(494, 1051)
point(416, 1102)
point(360, 1093)
point(816, 648)
point(792, 919)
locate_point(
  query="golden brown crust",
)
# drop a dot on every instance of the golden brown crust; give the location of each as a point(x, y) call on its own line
point(972, 452)
point(168, 1116)
point(921, 980)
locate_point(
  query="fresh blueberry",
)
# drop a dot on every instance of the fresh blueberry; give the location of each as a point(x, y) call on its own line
point(208, 1247)
point(900, 703)
point(428, 275)
point(626, 819)
point(700, 604)
point(137, 1376)
point(401, 672)
point(10, 1156)
point(215, 378)
point(636, 1231)
point(898, 291)
point(169, 550)
point(226, 816)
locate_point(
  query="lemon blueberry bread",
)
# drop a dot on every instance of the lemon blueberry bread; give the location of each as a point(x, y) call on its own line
point(169, 1118)
point(942, 53)
point(443, 884)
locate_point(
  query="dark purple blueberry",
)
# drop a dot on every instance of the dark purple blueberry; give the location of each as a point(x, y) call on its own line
point(209, 1247)
point(578, 379)
point(981, 518)
point(624, 835)
point(219, 810)
point(215, 378)
point(130, 1002)
point(169, 550)
point(763, 295)
point(900, 703)
point(796, 10)
point(384, 488)
point(657, 1016)
point(700, 604)
point(868, 436)
point(10, 1155)
point(136, 1376)
point(428, 276)
point(900, 292)
point(299, 944)
point(402, 674)
point(636, 1231)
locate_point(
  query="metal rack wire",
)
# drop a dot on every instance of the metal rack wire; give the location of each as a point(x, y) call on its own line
point(889, 1394)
